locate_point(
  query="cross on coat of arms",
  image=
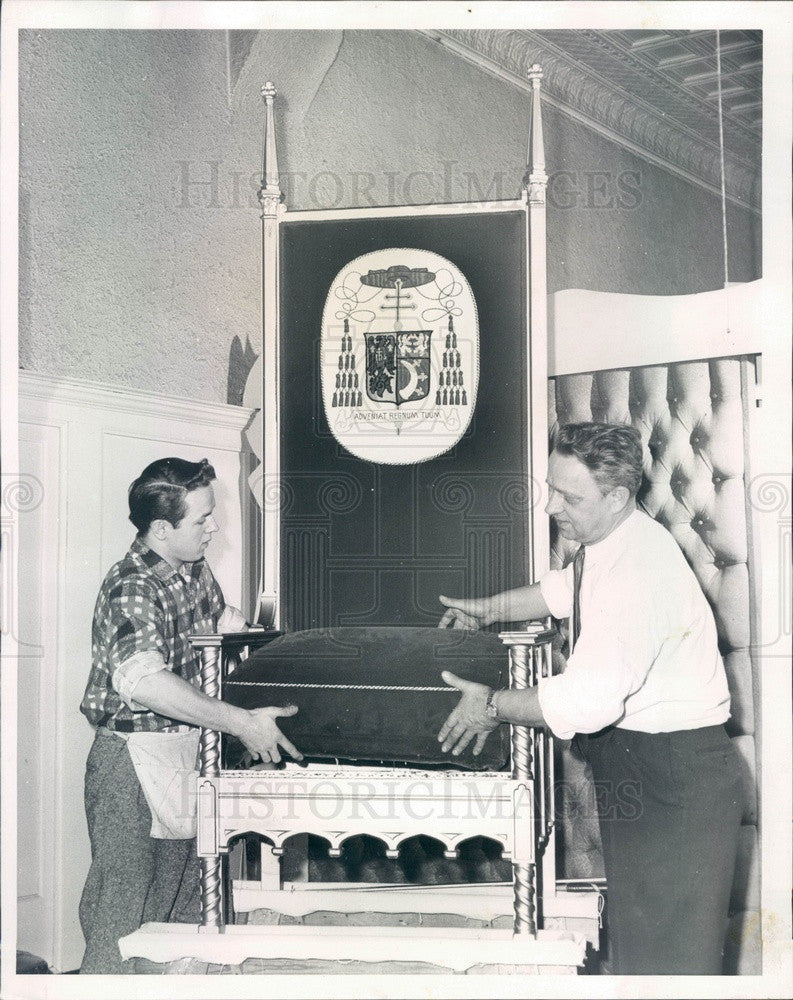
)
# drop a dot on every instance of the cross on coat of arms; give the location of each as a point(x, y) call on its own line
point(400, 355)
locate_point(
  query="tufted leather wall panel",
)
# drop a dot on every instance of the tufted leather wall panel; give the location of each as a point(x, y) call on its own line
point(691, 418)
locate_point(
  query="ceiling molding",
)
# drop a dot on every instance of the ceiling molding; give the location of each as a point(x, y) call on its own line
point(581, 91)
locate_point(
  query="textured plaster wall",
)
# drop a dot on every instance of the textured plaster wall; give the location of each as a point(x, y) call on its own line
point(125, 276)
point(139, 231)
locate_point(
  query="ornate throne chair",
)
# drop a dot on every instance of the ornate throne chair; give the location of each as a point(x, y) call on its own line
point(404, 432)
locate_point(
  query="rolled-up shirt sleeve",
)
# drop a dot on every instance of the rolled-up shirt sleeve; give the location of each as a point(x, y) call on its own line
point(556, 588)
point(232, 620)
point(127, 675)
point(612, 658)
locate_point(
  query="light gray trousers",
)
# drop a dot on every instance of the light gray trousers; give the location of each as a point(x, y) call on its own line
point(133, 878)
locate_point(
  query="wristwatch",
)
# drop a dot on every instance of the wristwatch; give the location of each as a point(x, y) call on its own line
point(490, 708)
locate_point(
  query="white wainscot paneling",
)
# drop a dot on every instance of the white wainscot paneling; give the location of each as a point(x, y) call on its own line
point(35, 541)
point(84, 444)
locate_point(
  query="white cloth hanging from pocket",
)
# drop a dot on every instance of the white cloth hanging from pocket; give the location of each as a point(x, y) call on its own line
point(165, 764)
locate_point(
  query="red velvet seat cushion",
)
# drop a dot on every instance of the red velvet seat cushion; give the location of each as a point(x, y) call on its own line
point(360, 721)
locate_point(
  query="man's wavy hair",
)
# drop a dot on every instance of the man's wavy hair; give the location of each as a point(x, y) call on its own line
point(160, 491)
point(611, 452)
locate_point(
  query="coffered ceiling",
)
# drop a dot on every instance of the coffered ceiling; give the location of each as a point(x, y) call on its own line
point(686, 61)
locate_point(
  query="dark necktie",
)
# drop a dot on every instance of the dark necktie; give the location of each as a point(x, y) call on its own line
point(575, 618)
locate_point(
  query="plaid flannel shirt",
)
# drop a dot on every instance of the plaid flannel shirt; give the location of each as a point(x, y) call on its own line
point(145, 606)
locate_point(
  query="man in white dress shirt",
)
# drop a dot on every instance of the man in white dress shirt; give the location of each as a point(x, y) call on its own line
point(645, 695)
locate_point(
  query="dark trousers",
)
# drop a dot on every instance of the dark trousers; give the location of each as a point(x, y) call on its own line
point(133, 877)
point(669, 806)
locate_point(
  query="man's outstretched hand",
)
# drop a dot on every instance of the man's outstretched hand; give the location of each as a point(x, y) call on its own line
point(262, 737)
point(469, 614)
point(468, 720)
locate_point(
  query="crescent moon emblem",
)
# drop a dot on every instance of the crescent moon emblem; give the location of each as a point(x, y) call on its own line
point(413, 381)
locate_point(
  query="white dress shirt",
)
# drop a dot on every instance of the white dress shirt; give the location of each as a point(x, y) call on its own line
point(647, 657)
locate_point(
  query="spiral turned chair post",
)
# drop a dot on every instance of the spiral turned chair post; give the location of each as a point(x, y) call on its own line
point(524, 650)
point(524, 872)
point(210, 648)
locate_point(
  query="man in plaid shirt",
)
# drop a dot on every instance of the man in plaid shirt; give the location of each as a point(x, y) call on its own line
point(145, 680)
